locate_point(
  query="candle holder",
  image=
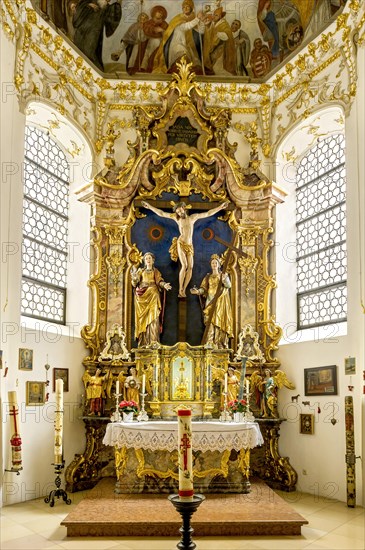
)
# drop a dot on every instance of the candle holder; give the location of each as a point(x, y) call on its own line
point(247, 415)
point(186, 509)
point(142, 415)
point(14, 470)
point(57, 492)
point(115, 417)
point(225, 416)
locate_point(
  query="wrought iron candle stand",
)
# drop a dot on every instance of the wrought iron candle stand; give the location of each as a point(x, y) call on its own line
point(142, 415)
point(225, 416)
point(57, 493)
point(186, 509)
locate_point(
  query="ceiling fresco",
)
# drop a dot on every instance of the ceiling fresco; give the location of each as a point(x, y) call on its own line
point(248, 39)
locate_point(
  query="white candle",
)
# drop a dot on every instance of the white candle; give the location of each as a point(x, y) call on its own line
point(58, 429)
point(226, 383)
point(143, 383)
point(117, 388)
point(247, 387)
point(186, 489)
point(15, 441)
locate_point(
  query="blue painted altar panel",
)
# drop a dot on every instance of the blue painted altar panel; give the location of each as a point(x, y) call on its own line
point(155, 234)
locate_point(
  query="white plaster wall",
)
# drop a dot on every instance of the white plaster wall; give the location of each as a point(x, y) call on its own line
point(62, 345)
point(319, 459)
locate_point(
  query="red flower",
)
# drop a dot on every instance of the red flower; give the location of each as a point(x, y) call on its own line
point(237, 405)
point(128, 406)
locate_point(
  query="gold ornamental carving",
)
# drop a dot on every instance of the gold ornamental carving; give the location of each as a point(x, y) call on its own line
point(116, 264)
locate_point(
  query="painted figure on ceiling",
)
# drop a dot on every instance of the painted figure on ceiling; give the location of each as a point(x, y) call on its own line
point(220, 327)
point(219, 51)
point(268, 26)
point(134, 43)
point(181, 38)
point(90, 21)
point(153, 29)
point(277, 20)
point(260, 59)
point(243, 47)
point(148, 284)
point(182, 247)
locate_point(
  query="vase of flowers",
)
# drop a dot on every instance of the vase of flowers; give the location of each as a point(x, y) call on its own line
point(237, 407)
point(127, 410)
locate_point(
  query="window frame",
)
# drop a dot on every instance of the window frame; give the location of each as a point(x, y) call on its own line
point(37, 167)
point(320, 289)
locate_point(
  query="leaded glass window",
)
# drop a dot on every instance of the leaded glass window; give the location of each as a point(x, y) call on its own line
point(45, 220)
point(321, 234)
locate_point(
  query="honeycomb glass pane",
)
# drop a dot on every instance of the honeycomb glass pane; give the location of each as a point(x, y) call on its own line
point(45, 227)
point(321, 234)
point(42, 302)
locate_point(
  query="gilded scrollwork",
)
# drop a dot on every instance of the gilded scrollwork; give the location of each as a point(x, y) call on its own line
point(34, 37)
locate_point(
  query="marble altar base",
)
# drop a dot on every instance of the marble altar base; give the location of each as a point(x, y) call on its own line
point(156, 471)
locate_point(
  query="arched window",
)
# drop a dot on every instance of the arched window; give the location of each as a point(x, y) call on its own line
point(321, 258)
point(45, 227)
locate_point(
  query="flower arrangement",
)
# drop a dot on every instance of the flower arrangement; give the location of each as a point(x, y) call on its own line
point(237, 405)
point(128, 406)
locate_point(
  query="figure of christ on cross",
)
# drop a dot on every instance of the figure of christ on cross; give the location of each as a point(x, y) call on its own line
point(182, 246)
point(184, 446)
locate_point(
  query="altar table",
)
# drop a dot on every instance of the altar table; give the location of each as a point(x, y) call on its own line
point(146, 457)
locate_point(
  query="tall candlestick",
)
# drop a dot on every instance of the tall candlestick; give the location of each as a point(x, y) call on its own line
point(15, 441)
point(226, 383)
point(58, 429)
point(143, 383)
point(186, 490)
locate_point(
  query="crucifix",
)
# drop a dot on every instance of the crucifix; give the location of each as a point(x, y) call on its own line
point(181, 248)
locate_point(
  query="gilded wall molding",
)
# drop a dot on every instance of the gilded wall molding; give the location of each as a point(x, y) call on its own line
point(331, 57)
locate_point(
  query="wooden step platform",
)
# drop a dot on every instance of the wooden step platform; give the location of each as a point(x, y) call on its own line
point(104, 513)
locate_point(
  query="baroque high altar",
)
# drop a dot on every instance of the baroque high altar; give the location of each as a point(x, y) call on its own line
point(200, 302)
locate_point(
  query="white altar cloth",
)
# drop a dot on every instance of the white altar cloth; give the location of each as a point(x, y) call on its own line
point(162, 435)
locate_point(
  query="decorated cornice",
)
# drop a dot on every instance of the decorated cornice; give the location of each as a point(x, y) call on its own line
point(47, 67)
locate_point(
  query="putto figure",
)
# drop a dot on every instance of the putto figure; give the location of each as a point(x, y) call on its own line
point(148, 283)
point(182, 247)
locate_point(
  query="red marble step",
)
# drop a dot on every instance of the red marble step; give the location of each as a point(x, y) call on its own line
point(104, 513)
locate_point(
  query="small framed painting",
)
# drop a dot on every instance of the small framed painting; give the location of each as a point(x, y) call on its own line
point(320, 381)
point(25, 359)
point(36, 393)
point(350, 365)
point(63, 374)
point(307, 424)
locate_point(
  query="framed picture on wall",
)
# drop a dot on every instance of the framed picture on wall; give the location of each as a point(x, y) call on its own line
point(320, 381)
point(35, 393)
point(25, 359)
point(307, 424)
point(350, 365)
point(63, 374)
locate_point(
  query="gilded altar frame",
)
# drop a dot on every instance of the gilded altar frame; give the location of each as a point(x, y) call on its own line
point(200, 172)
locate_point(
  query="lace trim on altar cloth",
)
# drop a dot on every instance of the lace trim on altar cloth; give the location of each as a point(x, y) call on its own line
point(206, 436)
